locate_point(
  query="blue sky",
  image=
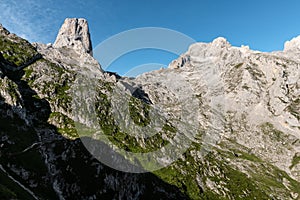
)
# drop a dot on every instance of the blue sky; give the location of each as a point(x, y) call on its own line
point(263, 25)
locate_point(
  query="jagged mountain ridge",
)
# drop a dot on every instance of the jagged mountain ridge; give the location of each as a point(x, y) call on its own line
point(243, 112)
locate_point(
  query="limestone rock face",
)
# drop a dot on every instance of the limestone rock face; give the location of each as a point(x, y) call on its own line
point(74, 34)
point(236, 86)
point(293, 44)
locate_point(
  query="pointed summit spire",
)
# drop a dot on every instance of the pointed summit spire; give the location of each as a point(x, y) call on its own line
point(74, 33)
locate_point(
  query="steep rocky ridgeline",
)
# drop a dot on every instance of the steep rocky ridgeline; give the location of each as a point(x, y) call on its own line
point(235, 112)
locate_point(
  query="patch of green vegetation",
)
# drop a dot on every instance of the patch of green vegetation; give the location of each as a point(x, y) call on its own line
point(12, 89)
point(239, 185)
point(239, 154)
point(269, 129)
point(186, 183)
point(169, 128)
point(17, 52)
point(280, 175)
point(294, 108)
point(60, 88)
point(57, 68)
point(139, 111)
point(209, 195)
point(124, 140)
point(70, 133)
point(29, 75)
point(61, 93)
point(266, 182)
point(250, 157)
point(66, 126)
point(56, 87)
point(239, 65)
point(295, 161)
point(83, 130)
point(236, 151)
point(36, 96)
point(28, 72)
point(270, 179)
point(261, 180)
point(255, 72)
point(184, 172)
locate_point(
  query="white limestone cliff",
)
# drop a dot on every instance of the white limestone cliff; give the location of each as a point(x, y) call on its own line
point(74, 33)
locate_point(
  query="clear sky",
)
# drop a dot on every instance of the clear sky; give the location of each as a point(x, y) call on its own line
point(262, 24)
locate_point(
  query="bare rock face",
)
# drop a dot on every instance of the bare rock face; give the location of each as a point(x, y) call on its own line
point(180, 62)
point(239, 86)
point(74, 33)
point(293, 44)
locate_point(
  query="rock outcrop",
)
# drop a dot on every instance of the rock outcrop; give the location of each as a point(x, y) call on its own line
point(74, 34)
point(292, 45)
point(15, 52)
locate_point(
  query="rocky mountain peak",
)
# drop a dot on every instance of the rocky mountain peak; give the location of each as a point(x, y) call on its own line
point(3, 30)
point(293, 44)
point(74, 33)
point(220, 42)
